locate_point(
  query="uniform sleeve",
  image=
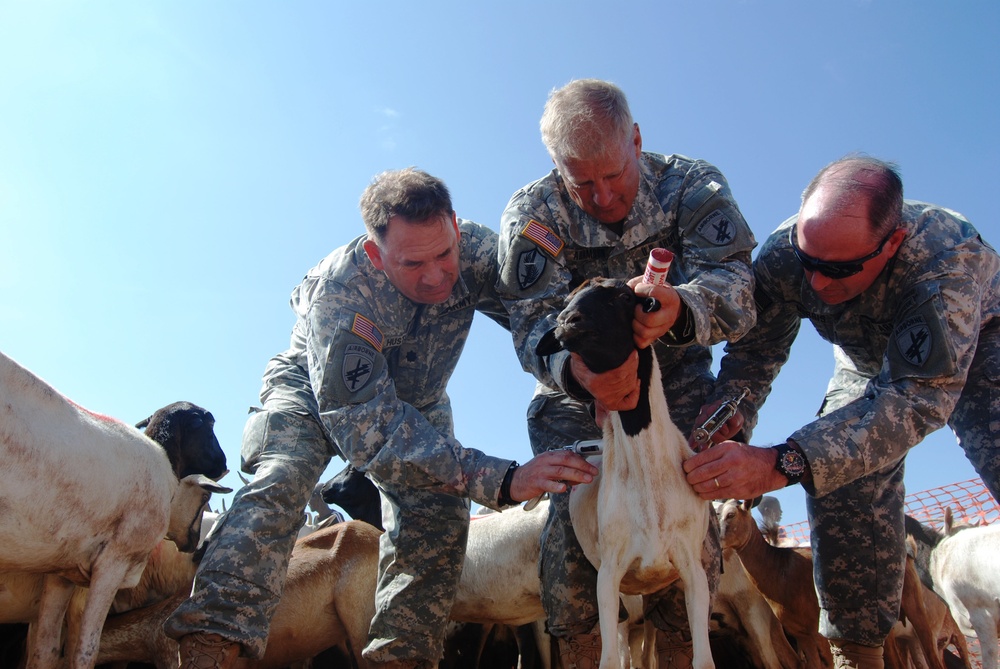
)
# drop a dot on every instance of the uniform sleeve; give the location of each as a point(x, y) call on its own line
point(716, 244)
point(868, 422)
point(378, 432)
point(931, 347)
point(482, 252)
point(753, 362)
point(533, 284)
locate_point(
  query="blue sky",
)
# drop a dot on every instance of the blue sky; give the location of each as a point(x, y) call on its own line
point(170, 170)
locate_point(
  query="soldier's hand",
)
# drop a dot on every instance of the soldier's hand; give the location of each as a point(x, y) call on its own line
point(617, 389)
point(552, 471)
point(728, 429)
point(733, 470)
point(648, 327)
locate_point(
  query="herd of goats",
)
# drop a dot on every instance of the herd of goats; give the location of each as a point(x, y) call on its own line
point(88, 576)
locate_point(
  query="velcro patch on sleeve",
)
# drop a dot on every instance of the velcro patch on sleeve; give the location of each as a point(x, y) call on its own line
point(919, 345)
point(368, 331)
point(717, 229)
point(546, 240)
point(357, 367)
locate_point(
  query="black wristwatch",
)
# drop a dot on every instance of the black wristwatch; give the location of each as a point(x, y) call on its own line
point(791, 463)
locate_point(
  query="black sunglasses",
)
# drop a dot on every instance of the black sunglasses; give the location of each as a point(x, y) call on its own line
point(833, 269)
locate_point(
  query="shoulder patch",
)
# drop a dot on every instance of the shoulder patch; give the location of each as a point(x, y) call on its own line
point(914, 340)
point(717, 229)
point(530, 265)
point(546, 240)
point(357, 367)
point(368, 331)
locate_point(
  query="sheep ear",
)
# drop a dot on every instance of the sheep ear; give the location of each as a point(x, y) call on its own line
point(142, 423)
point(548, 344)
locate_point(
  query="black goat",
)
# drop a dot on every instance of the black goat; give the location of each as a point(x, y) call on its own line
point(186, 432)
point(354, 493)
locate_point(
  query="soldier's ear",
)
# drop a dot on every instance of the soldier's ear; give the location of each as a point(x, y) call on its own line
point(374, 253)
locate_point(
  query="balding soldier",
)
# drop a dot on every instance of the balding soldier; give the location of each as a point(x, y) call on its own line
point(599, 213)
point(909, 295)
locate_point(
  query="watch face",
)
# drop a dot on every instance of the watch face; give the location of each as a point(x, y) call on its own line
point(792, 463)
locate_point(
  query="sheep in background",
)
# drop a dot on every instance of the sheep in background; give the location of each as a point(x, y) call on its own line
point(351, 490)
point(120, 481)
point(963, 567)
point(329, 595)
point(187, 434)
point(784, 576)
point(741, 611)
point(924, 627)
point(641, 538)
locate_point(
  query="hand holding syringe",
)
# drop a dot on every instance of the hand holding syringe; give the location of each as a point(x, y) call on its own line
point(702, 435)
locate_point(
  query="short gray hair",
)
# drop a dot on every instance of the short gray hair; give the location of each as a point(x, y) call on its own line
point(586, 118)
point(878, 181)
point(410, 193)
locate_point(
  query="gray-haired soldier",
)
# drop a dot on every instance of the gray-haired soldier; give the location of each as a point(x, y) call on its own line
point(599, 213)
point(909, 295)
point(380, 324)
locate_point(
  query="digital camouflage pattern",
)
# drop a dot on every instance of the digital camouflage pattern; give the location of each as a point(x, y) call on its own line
point(548, 247)
point(918, 349)
point(364, 378)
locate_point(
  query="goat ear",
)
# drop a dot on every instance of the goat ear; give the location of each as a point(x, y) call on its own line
point(548, 344)
point(751, 503)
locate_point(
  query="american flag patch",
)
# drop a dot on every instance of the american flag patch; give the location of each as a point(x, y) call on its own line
point(367, 330)
point(544, 237)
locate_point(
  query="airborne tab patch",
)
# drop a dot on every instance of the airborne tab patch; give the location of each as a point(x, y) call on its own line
point(717, 229)
point(359, 361)
point(530, 265)
point(547, 240)
point(914, 340)
point(368, 331)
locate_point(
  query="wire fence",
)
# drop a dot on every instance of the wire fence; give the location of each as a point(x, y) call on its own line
point(969, 501)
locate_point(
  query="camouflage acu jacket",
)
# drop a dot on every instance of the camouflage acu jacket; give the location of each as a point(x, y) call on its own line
point(902, 348)
point(548, 246)
point(372, 366)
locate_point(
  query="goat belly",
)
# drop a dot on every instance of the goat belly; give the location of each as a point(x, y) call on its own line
point(642, 581)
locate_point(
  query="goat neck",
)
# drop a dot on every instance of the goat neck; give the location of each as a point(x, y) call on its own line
point(638, 419)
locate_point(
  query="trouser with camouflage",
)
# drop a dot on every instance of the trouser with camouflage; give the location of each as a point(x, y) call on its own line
point(241, 576)
point(857, 532)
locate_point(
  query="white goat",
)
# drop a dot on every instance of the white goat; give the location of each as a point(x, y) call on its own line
point(964, 569)
point(329, 595)
point(640, 537)
point(123, 487)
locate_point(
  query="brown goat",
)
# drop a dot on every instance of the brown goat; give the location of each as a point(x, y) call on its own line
point(331, 579)
point(784, 577)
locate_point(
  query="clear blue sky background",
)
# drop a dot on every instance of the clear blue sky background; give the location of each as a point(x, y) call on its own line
point(170, 170)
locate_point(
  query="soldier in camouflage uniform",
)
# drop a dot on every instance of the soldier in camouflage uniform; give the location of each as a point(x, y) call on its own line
point(599, 213)
point(380, 324)
point(909, 295)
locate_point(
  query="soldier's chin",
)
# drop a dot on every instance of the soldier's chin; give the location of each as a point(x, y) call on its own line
point(435, 296)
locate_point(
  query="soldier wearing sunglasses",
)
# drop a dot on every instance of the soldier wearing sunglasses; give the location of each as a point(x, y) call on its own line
point(908, 293)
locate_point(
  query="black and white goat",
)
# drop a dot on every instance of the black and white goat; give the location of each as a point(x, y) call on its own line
point(639, 522)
